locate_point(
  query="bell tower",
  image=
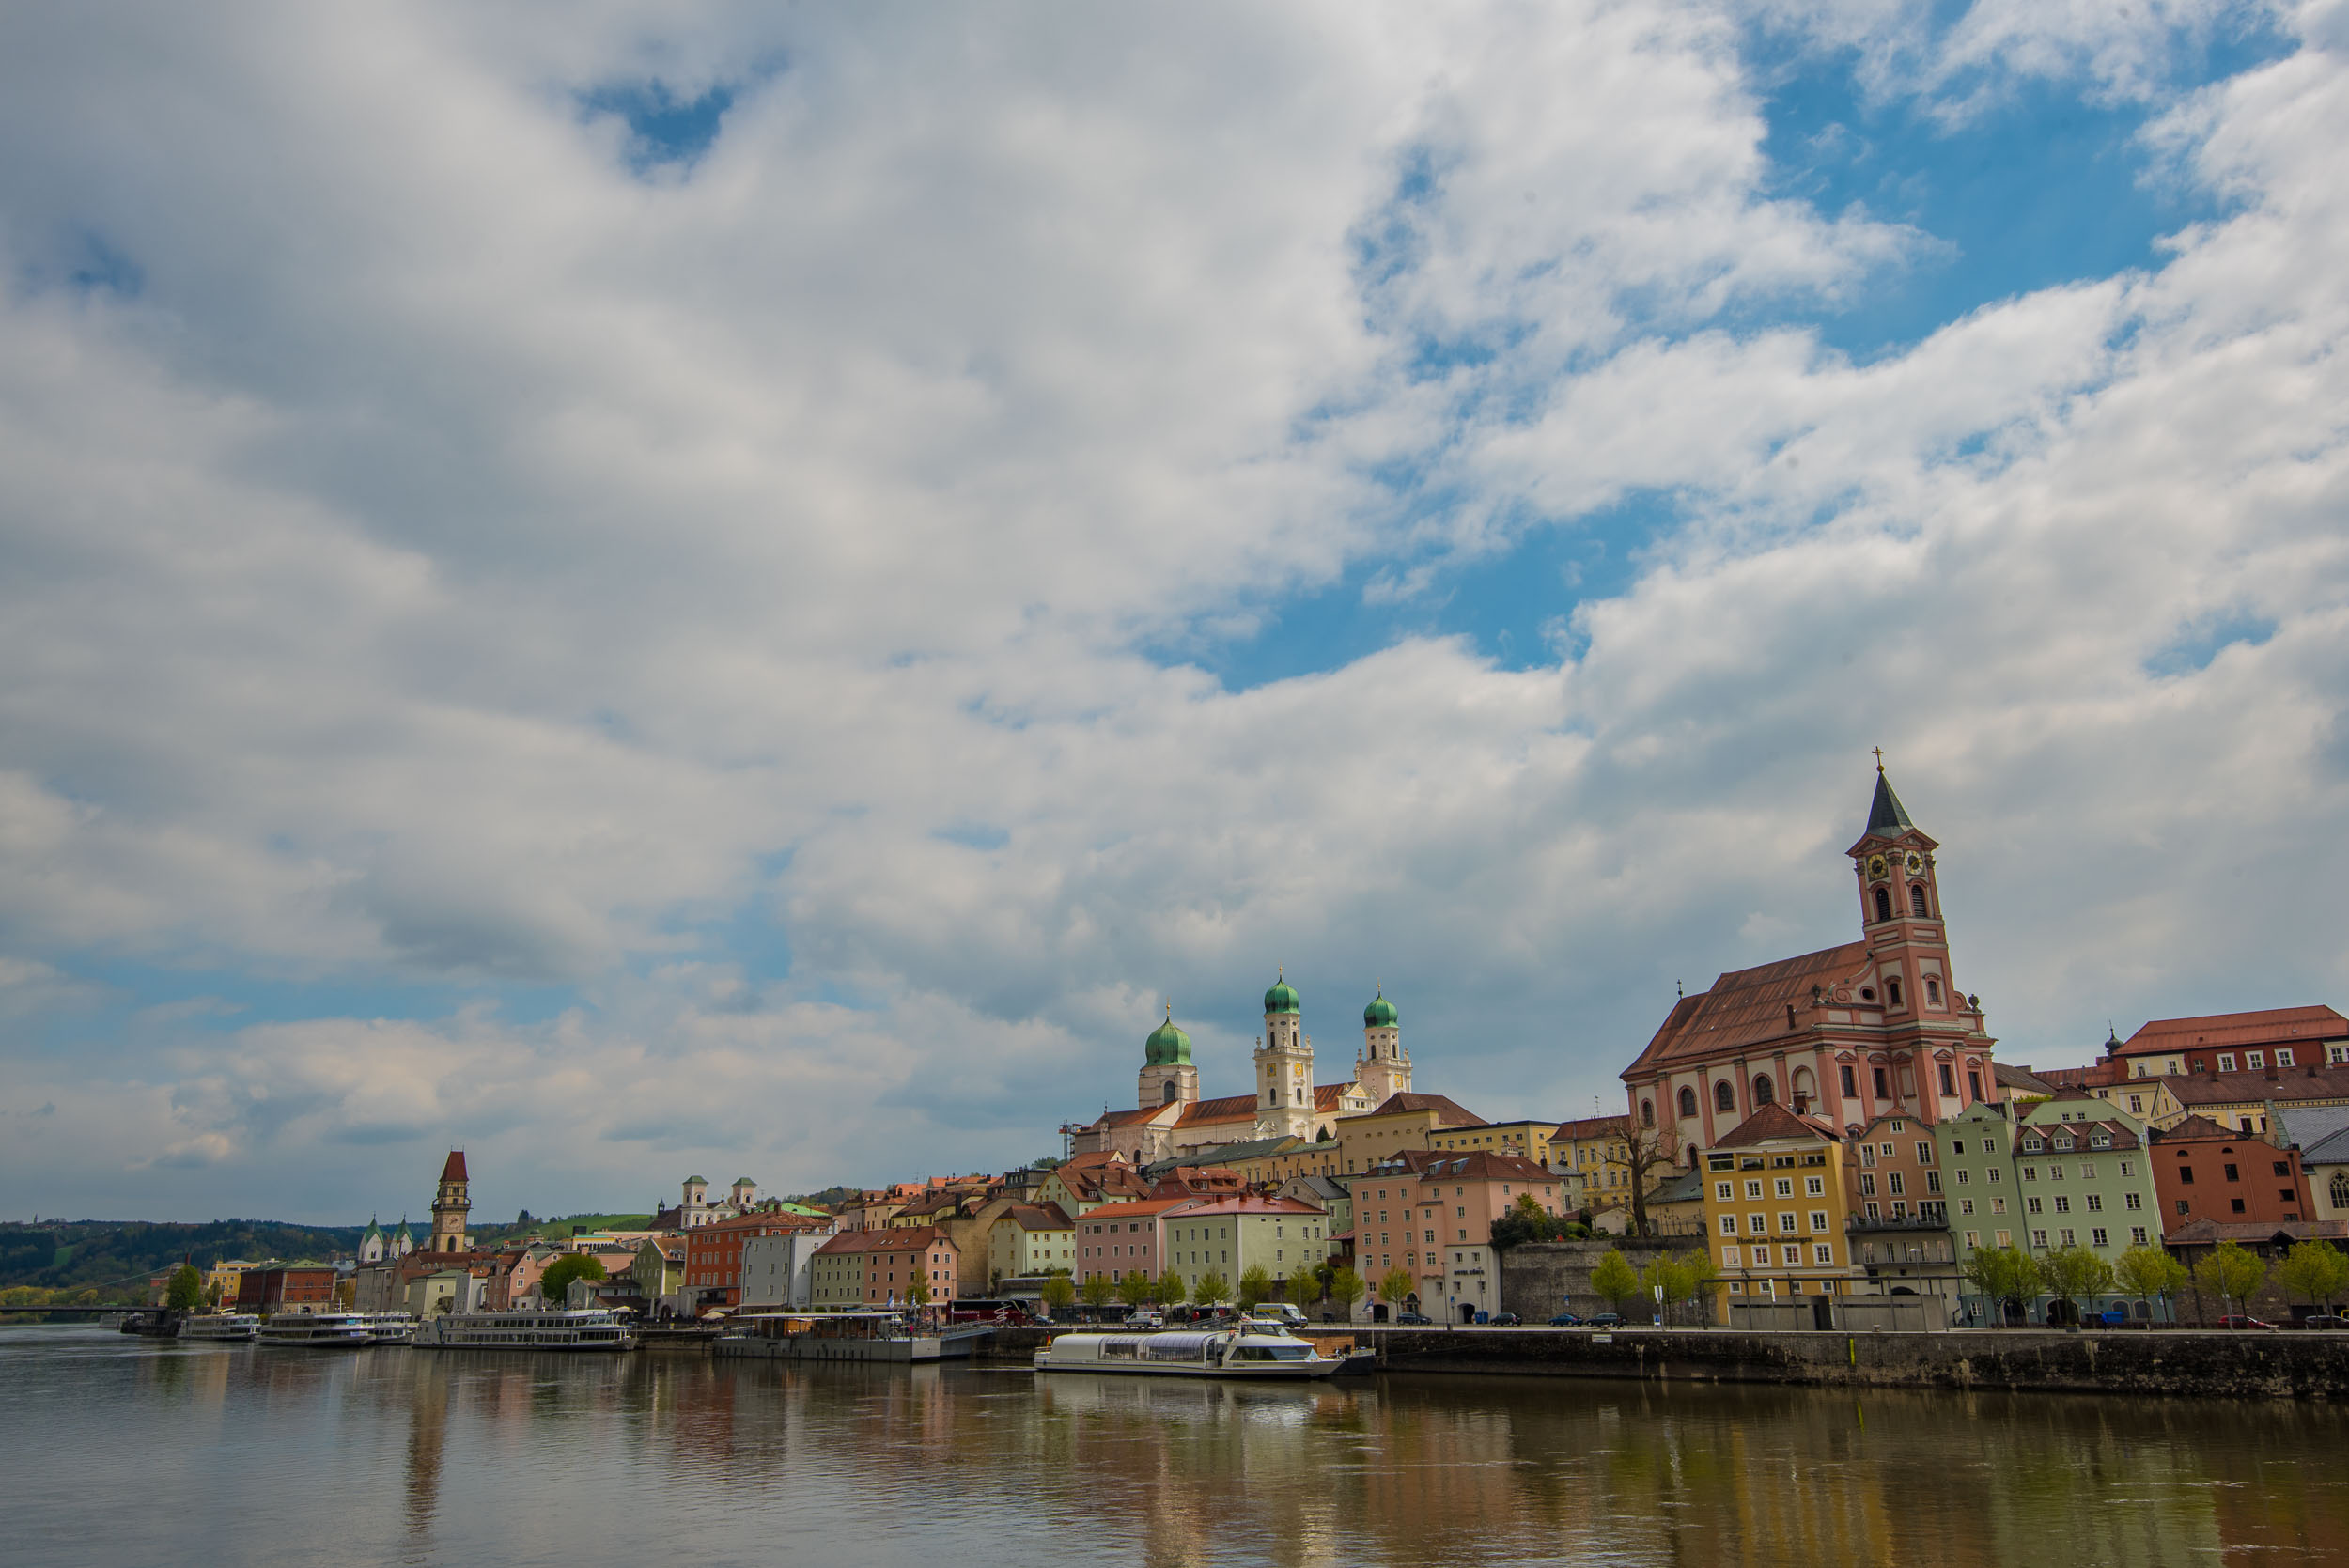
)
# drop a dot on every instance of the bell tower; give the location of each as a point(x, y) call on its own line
point(449, 1206)
point(1908, 949)
point(1285, 1068)
point(1167, 1076)
point(1384, 1068)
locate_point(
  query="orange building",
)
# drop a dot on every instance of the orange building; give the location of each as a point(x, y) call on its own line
point(713, 1255)
point(882, 1268)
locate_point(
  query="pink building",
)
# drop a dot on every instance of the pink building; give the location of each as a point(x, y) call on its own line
point(1117, 1239)
point(1431, 1213)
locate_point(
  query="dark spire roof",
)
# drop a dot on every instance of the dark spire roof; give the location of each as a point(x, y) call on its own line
point(1887, 816)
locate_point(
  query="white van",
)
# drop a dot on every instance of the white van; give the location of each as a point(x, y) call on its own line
point(1280, 1311)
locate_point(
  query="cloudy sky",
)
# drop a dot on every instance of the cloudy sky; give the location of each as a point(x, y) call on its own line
point(748, 589)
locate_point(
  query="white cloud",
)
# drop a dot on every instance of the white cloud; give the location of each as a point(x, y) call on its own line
point(461, 561)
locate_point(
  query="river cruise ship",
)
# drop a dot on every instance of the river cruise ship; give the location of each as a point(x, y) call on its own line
point(551, 1328)
point(221, 1325)
point(391, 1327)
point(844, 1337)
point(1258, 1353)
point(316, 1330)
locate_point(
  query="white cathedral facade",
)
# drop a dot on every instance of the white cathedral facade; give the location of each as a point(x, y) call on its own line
point(1170, 1119)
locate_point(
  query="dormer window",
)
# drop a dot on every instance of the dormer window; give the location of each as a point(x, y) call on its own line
point(2102, 1141)
point(2032, 1145)
point(2226, 1061)
point(2255, 1059)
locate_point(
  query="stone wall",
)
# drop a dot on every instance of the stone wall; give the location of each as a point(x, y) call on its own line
point(1539, 1278)
point(2284, 1364)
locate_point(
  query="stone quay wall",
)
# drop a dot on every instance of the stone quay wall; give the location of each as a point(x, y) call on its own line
point(2286, 1364)
point(1540, 1278)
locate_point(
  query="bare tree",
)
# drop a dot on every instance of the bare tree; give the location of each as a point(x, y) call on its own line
point(1646, 1151)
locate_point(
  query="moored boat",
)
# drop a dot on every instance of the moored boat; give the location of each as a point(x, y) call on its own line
point(219, 1325)
point(390, 1327)
point(1264, 1354)
point(553, 1328)
point(316, 1330)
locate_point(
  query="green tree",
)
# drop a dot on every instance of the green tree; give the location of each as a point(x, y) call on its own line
point(2003, 1274)
point(1324, 1271)
point(556, 1283)
point(1682, 1276)
point(1097, 1290)
point(2316, 1271)
point(1615, 1279)
point(1134, 1287)
point(212, 1296)
point(2146, 1272)
point(1211, 1290)
point(1170, 1290)
point(1397, 1285)
point(918, 1292)
point(1345, 1288)
point(1255, 1285)
point(185, 1291)
point(2074, 1274)
point(2230, 1273)
point(1059, 1293)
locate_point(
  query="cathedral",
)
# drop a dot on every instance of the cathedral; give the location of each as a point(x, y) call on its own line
point(1871, 1028)
point(1170, 1119)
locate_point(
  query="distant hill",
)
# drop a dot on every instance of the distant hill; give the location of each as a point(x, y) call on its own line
point(56, 1254)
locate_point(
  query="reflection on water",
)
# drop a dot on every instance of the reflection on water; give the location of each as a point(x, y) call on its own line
point(390, 1454)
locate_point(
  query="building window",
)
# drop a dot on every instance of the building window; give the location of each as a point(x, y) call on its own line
point(2255, 1059)
point(1851, 1084)
point(2226, 1061)
point(1917, 900)
point(1893, 991)
point(1884, 905)
point(2136, 1236)
point(1948, 1081)
point(1647, 1113)
point(1763, 1091)
point(1933, 991)
point(1724, 1097)
point(1884, 1085)
point(1688, 1101)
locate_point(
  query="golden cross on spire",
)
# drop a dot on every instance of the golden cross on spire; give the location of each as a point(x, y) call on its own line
point(1879, 759)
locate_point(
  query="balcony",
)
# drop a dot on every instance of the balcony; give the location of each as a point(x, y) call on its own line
point(1859, 1225)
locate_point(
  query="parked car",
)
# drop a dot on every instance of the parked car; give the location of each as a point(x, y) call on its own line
point(1605, 1320)
point(2240, 1322)
point(1417, 1319)
point(1565, 1320)
point(2323, 1320)
point(1505, 1320)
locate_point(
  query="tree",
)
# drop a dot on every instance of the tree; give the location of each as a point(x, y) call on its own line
point(2003, 1274)
point(1059, 1293)
point(1255, 1285)
point(185, 1291)
point(554, 1285)
point(2146, 1272)
point(1211, 1290)
point(1680, 1275)
point(1397, 1285)
point(2316, 1270)
point(1170, 1290)
point(1324, 1271)
point(2073, 1273)
point(1345, 1288)
point(1615, 1279)
point(211, 1297)
point(2228, 1272)
point(346, 1294)
point(1097, 1290)
point(1527, 1220)
point(1644, 1149)
point(918, 1292)
point(1134, 1287)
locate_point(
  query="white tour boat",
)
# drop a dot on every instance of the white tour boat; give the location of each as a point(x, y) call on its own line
point(219, 1325)
point(552, 1329)
point(316, 1330)
point(390, 1327)
point(1247, 1350)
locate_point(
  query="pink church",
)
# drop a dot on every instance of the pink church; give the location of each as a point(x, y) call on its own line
point(1875, 1027)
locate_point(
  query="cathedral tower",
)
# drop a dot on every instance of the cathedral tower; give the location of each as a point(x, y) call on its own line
point(450, 1206)
point(1908, 953)
point(1284, 1068)
point(1384, 1068)
point(1167, 1076)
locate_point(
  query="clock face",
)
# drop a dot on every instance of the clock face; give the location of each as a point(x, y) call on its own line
point(1916, 862)
point(1875, 867)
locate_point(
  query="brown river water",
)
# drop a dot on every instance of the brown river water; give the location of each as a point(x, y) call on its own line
point(124, 1452)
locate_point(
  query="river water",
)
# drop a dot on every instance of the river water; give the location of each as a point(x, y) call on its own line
point(125, 1452)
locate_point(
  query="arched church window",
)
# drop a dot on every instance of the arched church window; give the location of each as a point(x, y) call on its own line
point(1688, 1101)
point(1647, 1113)
point(2341, 1190)
point(1806, 1089)
point(1170, 1094)
point(1917, 900)
point(1884, 905)
point(1724, 1097)
point(1763, 1091)
point(1893, 991)
point(1933, 991)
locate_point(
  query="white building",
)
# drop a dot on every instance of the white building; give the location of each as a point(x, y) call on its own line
point(775, 1269)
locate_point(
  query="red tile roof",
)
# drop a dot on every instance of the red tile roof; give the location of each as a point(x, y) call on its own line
point(911, 1238)
point(1481, 1165)
point(1747, 1006)
point(1232, 1107)
point(1038, 1217)
point(1448, 1113)
point(2284, 1085)
point(1594, 1126)
point(1774, 1121)
point(2280, 1026)
point(455, 1170)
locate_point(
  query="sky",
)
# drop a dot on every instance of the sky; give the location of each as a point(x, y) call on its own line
point(756, 589)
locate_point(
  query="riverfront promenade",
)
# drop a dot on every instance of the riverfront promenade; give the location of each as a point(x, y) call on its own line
point(2171, 1362)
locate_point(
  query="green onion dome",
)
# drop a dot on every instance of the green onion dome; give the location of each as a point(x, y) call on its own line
point(1281, 997)
point(1380, 1013)
point(1167, 1046)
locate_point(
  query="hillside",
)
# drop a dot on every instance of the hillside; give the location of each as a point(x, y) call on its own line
point(57, 1255)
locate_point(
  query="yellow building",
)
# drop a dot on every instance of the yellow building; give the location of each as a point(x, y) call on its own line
point(1525, 1140)
point(1405, 1121)
point(1028, 1239)
point(1775, 1208)
point(1595, 1153)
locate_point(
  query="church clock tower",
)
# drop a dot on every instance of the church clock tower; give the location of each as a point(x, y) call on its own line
point(450, 1206)
point(1908, 955)
point(1284, 1068)
point(1384, 1068)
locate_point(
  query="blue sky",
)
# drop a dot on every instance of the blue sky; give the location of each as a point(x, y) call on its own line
point(761, 590)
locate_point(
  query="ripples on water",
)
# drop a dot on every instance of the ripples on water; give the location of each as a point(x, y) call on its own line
point(122, 1452)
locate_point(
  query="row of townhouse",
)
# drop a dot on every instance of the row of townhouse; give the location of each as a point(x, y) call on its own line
point(1794, 1209)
